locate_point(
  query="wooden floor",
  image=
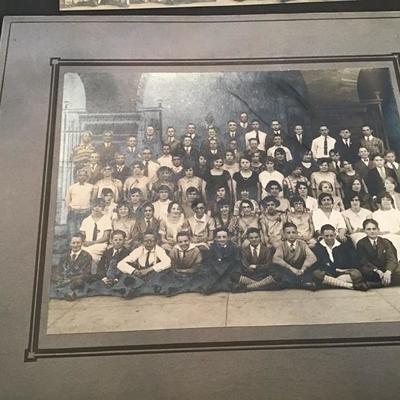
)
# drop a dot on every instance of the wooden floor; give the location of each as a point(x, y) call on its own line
point(288, 307)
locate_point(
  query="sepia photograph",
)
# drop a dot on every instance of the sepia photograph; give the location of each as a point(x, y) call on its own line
point(76, 5)
point(225, 198)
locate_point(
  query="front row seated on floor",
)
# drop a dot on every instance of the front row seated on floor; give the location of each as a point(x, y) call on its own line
point(148, 269)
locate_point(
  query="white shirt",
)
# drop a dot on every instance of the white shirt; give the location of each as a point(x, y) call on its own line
point(256, 248)
point(158, 259)
point(76, 255)
point(152, 168)
point(262, 136)
point(330, 249)
point(103, 225)
point(266, 177)
point(78, 196)
point(161, 209)
point(356, 219)
point(393, 165)
point(336, 219)
point(311, 203)
point(387, 220)
point(165, 161)
point(365, 161)
point(317, 146)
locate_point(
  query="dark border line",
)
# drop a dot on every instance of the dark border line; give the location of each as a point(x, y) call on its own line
point(34, 352)
point(44, 214)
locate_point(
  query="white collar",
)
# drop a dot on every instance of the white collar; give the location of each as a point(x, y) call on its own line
point(257, 248)
point(77, 253)
point(191, 246)
point(336, 244)
point(202, 219)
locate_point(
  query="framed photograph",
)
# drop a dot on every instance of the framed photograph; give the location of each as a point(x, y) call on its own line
point(171, 196)
point(93, 5)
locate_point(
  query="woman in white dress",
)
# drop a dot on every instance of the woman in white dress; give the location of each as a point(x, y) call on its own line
point(170, 226)
point(391, 187)
point(388, 220)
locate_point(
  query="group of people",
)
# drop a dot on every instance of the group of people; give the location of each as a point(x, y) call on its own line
point(234, 209)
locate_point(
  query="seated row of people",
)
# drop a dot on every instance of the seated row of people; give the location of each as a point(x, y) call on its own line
point(224, 266)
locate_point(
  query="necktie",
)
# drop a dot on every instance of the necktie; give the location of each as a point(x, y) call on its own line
point(326, 146)
point(300, 139)
point(232, 135)
point(94, 235)
point(147, 223)
point(146, 168)
point(258, 137)
point(182, 254)
point(375, 245)
point(147, 263)
point(187, 150)
point(74, 256)
point(347, 143)
point(255, 257)
point(292, 249)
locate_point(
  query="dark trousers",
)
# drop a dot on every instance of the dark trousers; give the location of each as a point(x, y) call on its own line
point(371, 276)
point(74, 220)
point(288, 280)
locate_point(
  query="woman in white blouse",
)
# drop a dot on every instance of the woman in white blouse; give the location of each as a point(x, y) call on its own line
point(388, 220)
point(354, 218)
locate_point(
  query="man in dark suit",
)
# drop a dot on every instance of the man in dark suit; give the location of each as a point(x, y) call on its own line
point(390, 162)
point(336, 262)
point(378, 257)
point(373, 144)
point(186, 150)
point(298, 143)
point(375, 178)
point(131, 151)
point(253, 148)
point(107, 149)
point(192, 132)
point(94, 168)
point(365, 164)
point(244, 125)
point(151, 141)
point(233, 134)
point(107, 270)
point(347, 147)
point(213, 151)
point(120, 170)
point(73, 270)
point(256, 259)
point(170, 138)
point(147, 223)
point(276, 130)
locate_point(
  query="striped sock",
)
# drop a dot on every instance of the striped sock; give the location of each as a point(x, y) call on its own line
point(335, 282)
point(244, 280)
point(259, 284)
